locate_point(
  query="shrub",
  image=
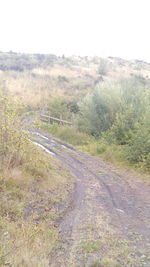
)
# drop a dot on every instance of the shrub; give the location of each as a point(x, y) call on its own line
point(139, 145)
point(12, 137)
point(118, 114)
point(103, 67)
point(98, 110)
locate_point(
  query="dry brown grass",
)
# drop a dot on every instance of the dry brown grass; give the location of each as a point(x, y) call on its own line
point(29, 201)
point(35, 87)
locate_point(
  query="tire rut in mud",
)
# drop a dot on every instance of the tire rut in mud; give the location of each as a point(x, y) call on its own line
point(110, 192)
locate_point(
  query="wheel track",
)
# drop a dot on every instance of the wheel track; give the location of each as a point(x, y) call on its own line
point(115, 204)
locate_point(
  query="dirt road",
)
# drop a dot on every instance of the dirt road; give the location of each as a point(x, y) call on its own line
point(108, 219)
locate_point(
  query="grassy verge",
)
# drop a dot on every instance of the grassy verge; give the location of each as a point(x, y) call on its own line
point(67, 134)
point(112, 153)
point(34, 192)
point(30, 196)
point(115, 154)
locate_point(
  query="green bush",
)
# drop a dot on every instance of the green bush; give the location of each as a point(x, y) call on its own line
point(118, 114)
point(98, 110)
point(13, 138)
point(139, 145)
point(103, 67)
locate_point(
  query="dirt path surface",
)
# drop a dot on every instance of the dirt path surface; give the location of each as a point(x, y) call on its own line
point(108, 221)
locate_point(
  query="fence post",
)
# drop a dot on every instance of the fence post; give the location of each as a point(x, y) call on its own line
point(49, 119)
point(61, 119)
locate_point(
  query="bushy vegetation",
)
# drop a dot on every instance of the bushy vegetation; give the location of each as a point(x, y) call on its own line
point(106, 98)
point(13, 139)
point(118, 114)
point(103, 67)
point(59, 107)
point(32, 184)
point(114, 118)
point(98, 110)
point(20, 61)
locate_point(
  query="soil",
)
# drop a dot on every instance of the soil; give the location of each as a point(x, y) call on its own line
point(108, 205)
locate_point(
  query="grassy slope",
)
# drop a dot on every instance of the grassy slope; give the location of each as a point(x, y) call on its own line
point(70, 78)
point(29, 211)
point(36, 86)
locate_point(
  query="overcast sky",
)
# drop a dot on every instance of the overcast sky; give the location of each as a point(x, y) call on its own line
point(82, 27)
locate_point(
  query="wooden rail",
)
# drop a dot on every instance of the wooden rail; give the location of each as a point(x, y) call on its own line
point(50, 119)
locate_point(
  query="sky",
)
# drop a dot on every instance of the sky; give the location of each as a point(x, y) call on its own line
point(103, 28)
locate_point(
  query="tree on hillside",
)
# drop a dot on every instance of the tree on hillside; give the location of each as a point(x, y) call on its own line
point(97, 110)
point(103, 67)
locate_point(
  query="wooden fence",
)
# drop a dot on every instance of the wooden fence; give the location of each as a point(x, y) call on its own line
point(50, 120)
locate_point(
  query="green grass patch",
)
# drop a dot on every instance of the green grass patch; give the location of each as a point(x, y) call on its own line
point(90, 246)
point(111, 153)
point(67, 134)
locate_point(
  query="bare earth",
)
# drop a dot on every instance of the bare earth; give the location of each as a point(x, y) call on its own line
point(107, 223)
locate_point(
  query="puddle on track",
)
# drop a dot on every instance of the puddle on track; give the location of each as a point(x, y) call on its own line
point(44, 148)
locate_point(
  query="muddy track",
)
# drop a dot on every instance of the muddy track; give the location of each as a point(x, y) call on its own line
point(101, 193)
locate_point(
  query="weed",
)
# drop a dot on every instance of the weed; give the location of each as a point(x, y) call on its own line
point(90, 246)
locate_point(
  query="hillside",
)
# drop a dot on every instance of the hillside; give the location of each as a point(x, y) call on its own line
point(106, 97)
point(35, 78)
point(77, 194)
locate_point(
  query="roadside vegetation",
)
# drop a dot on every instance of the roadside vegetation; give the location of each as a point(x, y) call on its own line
point(107, 101)
point(113, 121)
point(32, 184)
point(118, 116)
point(67, 134)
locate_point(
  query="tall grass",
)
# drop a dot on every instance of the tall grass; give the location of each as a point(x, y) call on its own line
point(31, 186)
point(67, 134)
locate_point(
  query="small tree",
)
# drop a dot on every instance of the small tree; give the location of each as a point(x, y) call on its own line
point(12, 136)
point(103, 67)
point(97, 110)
